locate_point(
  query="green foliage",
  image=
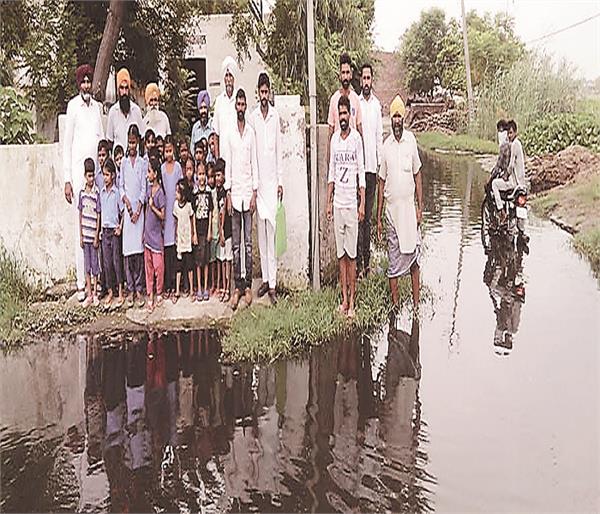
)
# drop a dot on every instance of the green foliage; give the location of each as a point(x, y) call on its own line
point(553, 133)
point(456, 142)
point(14, 30)
point(17, 290)
point(16, 123)
point(531, 88)
point(419, 49)
point(432, 51)
point(588, 243)
point(340, 25)
point(307, 318)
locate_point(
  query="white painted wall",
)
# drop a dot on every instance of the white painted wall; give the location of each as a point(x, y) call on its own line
point(38, 225)
point(213, 44)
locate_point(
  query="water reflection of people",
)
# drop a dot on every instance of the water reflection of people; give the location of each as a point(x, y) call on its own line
point(503, 274)
point(400, 417)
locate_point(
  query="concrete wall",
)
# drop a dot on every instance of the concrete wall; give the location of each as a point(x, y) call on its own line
point(327, 255)
point(38, 224)
point(213, 44)
point(293, 265)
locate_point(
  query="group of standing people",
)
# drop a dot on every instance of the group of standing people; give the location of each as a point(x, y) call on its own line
point(152, 212)
point(183, 219)
point(361, 163)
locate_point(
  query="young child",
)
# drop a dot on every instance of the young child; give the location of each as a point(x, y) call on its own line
point(199, 153)
point(149, 143)
point(160, 144)
point(132, 188)
point(203, 210)
point(171, 173)
point(185, 233)
point(189, 175)
point(183, 151)
point(89, 230)
point(225, 252)
point(103, 153)
point(214, 269)
point(112, 223)
point(118, 154)
point(211, 147)
point(153, 234)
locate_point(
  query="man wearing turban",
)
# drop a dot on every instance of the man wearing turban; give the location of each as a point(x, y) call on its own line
point(224, 120)
point(83, 131)
point(123, 113)
point(399, 178)
point(203, 127)
point(155, 119)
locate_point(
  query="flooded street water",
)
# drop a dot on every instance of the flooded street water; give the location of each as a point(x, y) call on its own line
point(488, 402)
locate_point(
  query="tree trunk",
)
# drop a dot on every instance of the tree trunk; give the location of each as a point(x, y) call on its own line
point(110, 36)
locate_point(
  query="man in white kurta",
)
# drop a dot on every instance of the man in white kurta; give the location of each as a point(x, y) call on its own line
point(399, 178)
point(83, 131)
point(224, 118)
point(155, 119)
point(124, 113)
point(265, 121)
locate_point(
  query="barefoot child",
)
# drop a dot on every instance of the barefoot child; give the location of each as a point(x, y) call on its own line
point(153, 235)
point(225, 250)
point(112, 222)
point(213, 267)
point(89, 230)
point(185, 233)
point(133, 195)
point(203, 210)
point(171, 173)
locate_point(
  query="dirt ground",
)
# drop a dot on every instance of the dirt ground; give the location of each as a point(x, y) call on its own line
point(551, 170)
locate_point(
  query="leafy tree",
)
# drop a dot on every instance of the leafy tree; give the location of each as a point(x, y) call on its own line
point(16, 123)
point(340, 25)
point(432, 51)
point(419, 49)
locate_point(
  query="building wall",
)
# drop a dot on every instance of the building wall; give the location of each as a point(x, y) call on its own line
point(39, 226)
point(213, 44)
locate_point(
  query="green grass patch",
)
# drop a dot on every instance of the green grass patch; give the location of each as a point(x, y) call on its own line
point(588, 243)
point(19, 313)
point(308, 318)
point(456, 143)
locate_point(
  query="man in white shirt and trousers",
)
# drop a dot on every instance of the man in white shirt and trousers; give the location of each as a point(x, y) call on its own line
point(267, 129)
point(241, 184)
point(224, 118)
point(372, 131)
point(399, 178)
point(83, 131)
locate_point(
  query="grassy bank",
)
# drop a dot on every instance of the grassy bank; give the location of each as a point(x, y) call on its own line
point(577, 204)
point(20, 313)
point(307, 318)
point(456, 143)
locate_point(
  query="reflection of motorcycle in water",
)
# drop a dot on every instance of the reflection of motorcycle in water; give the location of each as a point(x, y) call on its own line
point(503, 274)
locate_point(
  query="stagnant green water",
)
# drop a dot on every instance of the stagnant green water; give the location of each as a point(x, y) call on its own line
point(488, 401)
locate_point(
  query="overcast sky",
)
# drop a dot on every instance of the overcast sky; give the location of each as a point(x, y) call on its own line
point(533, 19)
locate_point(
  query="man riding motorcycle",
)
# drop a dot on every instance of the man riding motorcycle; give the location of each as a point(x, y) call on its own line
point(515, 172)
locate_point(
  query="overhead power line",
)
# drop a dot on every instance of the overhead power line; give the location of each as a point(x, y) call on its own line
point(563, 29)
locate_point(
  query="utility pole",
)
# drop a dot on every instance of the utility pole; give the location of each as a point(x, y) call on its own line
point(467, 62)
point(314, 183)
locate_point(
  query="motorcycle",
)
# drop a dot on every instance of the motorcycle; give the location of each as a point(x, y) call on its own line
point(514, 205)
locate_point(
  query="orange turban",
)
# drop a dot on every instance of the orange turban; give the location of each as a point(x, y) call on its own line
point(123, 76)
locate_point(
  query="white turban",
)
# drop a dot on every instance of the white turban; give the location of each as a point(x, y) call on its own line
point(229, 65)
